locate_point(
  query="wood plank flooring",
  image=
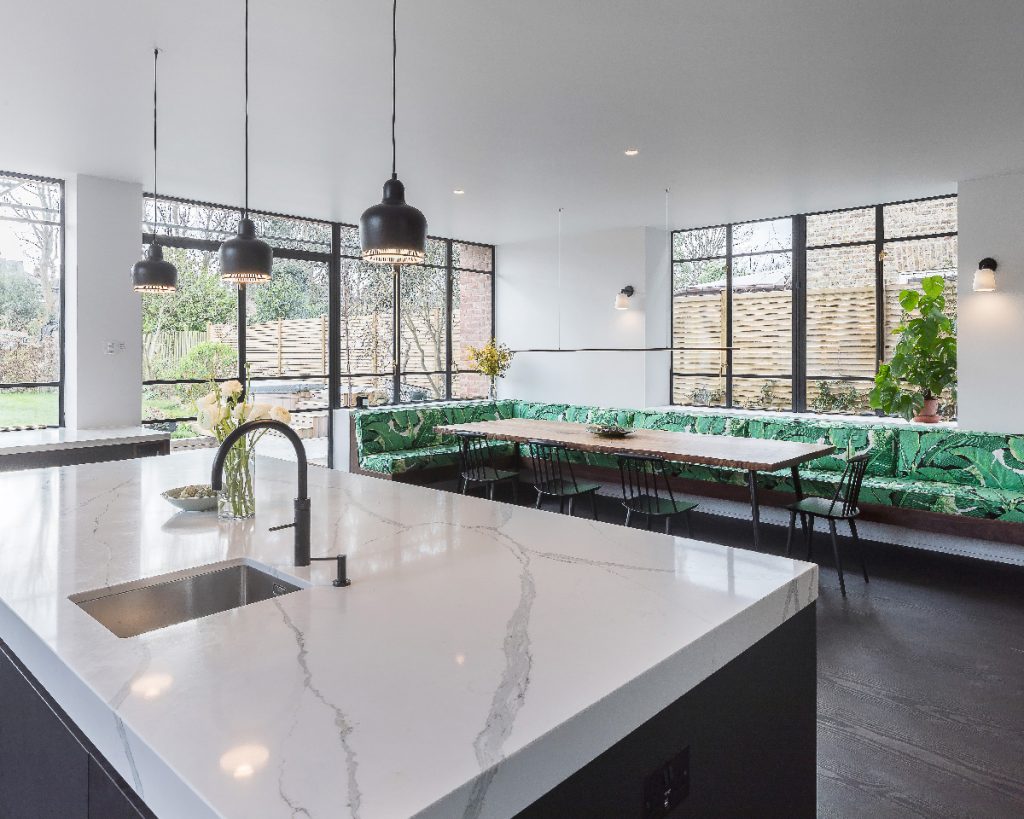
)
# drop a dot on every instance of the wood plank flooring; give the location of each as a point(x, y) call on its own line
point(920, 679)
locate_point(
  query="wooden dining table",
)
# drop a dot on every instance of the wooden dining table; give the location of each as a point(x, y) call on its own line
point(750, 454)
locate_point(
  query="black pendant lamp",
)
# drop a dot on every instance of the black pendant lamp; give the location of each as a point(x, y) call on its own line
point(244, 259)
point(152, 274)
point(393, 232)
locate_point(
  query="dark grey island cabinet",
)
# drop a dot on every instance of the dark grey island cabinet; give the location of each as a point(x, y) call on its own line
point(48, 769)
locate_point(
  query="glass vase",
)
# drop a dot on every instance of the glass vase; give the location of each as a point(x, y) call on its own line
point(492, 392)
point(237, 498)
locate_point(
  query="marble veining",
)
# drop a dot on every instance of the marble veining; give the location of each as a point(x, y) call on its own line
point(483, 653)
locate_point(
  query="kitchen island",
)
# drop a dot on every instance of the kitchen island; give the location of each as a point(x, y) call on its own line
point(487, 659)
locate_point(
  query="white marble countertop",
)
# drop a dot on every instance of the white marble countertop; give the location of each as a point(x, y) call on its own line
point(483, 653)
point(13, 442)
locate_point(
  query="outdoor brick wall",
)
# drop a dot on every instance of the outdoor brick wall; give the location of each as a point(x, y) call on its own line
point(471, 326)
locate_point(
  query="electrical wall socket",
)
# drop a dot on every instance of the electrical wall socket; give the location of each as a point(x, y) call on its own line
point(114, 347)
point(667, 786)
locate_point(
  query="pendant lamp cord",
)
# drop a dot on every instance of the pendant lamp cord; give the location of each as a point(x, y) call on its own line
point(156, 198)
point(245, 212)
point(394, 86)
point(558, 297)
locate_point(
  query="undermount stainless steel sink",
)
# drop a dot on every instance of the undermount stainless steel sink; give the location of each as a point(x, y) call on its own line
point(146, 605)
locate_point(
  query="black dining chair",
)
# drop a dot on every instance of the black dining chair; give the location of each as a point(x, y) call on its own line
point(646, 491)
point(841, 506)
point(476, 466)
point(553, 476)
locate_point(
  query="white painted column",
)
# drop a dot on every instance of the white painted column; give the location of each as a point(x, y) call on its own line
point(990, 328)
point(103, 315)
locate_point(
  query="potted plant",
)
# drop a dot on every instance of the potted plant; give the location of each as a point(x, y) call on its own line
point(923, 364)
point(492, 360)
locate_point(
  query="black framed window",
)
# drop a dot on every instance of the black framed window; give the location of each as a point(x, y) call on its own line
point(31, 301)
point(796, 312)
point(322, 332)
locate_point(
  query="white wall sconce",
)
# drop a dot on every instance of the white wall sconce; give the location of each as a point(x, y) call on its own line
point(622, 299)
point(985, 276)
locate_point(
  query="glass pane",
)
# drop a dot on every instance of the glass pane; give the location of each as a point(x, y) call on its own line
point(762, 323)
point(437, 253)
point(311, 427)
point(762, 393)
point(349, 242)
point(366, 320)
point(424, 331)
point(31, 407)
point(189, 220)
point(172, 401)
point(375, 388)
point(30, 280)
point(472, 315)
point(286, 320)
point(841, 312)
point(838, 397)
point(192, 333)
point(293, 234)
point(841, 226)
point(698, 244)
point(920, 218)
point(905, 265)
point(757, 237)
point(473, 257)
point(425, 387)
point(698, 391)
point(699, 317)
point(467, 385)
point(295, 395)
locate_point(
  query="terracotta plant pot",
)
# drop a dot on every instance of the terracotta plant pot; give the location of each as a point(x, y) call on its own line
point(929, 412)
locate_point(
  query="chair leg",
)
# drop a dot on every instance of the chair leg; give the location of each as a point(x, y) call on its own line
point(539, 496)
point(593, 504)
point(490, 491)
point(629, 514)
point(860, 548)
point(809, 536)
point(668, 524)
point(789, 534)
point(835, 552)
point(689, 526)
point(650, 521)
point(571, 499)
point(465, 484)
point(561, 504)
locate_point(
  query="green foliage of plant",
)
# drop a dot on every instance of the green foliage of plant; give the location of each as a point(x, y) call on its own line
point(835, 396)
point(21, 302)
point(202, 298)
point(208, 359)
point(923, 364)
point(290, 294)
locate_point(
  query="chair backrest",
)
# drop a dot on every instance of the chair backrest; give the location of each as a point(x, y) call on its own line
point(848, 490)
point(644, 475)
point(474, 455)
point(551, 463)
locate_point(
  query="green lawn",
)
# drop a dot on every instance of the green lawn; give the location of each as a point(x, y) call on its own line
point(24, 409)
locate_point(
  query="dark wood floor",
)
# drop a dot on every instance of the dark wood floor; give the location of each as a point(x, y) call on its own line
point(920, 679)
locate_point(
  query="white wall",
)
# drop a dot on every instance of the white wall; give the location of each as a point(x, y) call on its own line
point(991, 325)
point(533, 312)
point(103, 325)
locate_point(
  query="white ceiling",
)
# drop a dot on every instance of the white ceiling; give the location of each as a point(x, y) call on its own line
point(743, 109)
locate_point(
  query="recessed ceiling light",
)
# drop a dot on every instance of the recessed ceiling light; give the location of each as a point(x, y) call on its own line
point(458, 191)
point(632, 151)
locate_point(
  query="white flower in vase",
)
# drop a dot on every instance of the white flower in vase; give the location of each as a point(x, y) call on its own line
point(280, 414)
point(231, 389)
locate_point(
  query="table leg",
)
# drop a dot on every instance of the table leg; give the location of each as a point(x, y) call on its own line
point(795, 472)
point(755, 507)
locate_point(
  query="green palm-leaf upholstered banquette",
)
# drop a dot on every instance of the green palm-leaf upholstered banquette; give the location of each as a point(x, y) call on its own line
point(912, 466)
